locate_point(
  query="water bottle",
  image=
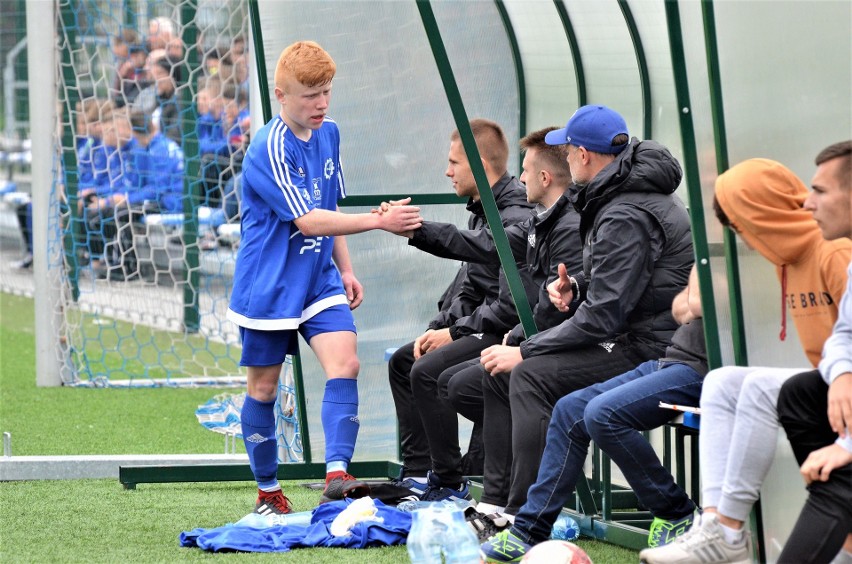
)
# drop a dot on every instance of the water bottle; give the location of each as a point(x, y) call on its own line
point(411, 505)
point(423, 544)
point(565, 528)
point(460, 544)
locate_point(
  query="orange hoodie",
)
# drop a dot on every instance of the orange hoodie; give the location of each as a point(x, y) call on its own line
point(763, 200)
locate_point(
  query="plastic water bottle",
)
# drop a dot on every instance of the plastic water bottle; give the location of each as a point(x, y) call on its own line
point(423, 544)
point(460, 545)
point(565, 528)
point(413, 505)
point(440, 529)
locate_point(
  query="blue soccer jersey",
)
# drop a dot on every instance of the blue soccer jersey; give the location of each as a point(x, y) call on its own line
point(283, 278)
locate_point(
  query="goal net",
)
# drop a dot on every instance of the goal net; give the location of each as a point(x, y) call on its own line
point(154, 101)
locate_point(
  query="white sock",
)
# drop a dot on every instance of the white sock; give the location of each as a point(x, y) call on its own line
point(732, 536)
point(843, 557)
point(488, 508)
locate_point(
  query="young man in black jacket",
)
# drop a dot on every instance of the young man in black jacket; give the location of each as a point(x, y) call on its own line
point(539, 244)
point(454, 335)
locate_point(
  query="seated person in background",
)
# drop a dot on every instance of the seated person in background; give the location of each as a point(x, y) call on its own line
point(159, 167)
point(130, 77)
point(423, 360)
point(815, 407)
point(163, 34)
point(160, 99)
point(212, 143)
point(762, 201)
point(614, 414)
point(236, 120)
point(91, 155)
point(107, 199)
point(637, 255)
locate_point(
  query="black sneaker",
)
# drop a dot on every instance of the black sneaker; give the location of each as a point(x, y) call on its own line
point(437, 491)
point(272, 503)
point(485, 526)
point(341, 484)
point(416, 488)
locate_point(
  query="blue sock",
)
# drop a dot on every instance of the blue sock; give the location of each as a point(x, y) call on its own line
point(258, 425)
point(340, 422)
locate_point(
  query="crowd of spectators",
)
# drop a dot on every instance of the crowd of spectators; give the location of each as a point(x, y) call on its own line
point(131, 149)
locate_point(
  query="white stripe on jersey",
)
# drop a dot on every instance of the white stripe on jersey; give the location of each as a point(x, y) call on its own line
point(275, 152)
point(286, 323)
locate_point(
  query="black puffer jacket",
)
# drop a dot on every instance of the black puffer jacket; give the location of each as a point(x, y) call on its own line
point(538, 245)
point(477, 284)
point(637, 255)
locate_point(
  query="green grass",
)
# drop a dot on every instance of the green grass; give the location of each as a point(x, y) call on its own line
point(57, 420)
point(97, 520)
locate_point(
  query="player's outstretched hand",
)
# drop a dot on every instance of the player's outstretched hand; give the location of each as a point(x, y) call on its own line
point(559, 291)
point(820, 463)
point(401, 219)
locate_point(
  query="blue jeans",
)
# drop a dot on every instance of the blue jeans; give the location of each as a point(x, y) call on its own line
point(613, 414)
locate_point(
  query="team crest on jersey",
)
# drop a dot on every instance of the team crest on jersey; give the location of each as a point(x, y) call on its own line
point(301, 172)
point(329, 168)
point(317, 191)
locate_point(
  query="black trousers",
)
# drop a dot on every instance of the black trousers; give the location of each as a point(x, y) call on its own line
point(826, 518)
point(519, 406)
point(428, 424)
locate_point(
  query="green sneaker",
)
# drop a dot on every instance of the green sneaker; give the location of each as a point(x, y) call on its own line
point(664, 532)
point(503, 547)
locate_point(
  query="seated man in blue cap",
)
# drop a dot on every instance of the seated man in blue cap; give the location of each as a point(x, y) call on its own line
point(637, 257)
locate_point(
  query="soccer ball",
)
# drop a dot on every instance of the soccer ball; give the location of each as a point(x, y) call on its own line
point(556, 552)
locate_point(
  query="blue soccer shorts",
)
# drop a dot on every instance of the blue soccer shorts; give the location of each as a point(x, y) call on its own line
point(267, 348)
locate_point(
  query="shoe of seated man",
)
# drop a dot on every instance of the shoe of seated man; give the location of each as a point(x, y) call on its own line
point(665, 531)
point(437, 491)
point(484, 525)
point(416, 486)
point(336, 483)
point(505, 546)
point(704, 543)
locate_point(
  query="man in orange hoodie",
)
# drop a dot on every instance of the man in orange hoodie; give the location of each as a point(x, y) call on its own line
point(762, 201)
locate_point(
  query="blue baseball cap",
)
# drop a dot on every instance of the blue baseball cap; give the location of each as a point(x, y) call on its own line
point(592, 127)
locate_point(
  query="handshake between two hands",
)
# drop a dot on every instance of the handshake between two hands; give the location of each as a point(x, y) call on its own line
point(401, 218)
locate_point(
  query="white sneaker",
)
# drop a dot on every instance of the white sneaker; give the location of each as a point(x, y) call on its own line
point(702, 544)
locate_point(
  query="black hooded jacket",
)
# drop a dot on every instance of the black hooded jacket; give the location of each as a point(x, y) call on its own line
point(538, 245)
point(637, 255)
point(477, 284)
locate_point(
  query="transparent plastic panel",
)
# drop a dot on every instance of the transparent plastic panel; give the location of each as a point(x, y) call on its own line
point(548, 66)
point(786, 77)
point(609, 61)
